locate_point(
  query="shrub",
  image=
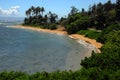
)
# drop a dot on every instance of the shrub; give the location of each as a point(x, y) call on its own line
point(90, 33)
point(52, 26)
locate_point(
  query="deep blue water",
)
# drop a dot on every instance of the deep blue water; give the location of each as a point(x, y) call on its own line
point(32, 51)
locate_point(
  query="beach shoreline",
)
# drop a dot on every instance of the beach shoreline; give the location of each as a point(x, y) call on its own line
point(87, 42)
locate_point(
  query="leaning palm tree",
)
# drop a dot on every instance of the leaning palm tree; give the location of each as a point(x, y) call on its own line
point(27, 13)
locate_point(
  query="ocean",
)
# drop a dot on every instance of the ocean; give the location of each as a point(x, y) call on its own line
point(32, 51)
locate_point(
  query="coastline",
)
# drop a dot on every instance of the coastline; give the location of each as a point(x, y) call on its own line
point(87, 42)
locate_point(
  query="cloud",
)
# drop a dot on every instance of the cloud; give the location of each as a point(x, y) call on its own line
point(11, 11)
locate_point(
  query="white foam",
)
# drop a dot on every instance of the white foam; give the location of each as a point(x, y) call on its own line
point(8, 26)
point(59, 34)
point(1, 23)
point(88, 45)
point(71, 37)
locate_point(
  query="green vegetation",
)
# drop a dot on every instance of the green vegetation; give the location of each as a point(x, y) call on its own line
point(50, 26)
point(99, 16)
point(107, 64)
point(57, 75)
point(103, 36)
point(103, 66)
point(77, 22)
point(90, 33)
point(36, 18)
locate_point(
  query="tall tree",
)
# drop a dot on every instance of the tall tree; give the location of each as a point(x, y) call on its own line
point(52, 17)
point(83, 10)
point(108, 6)
point(42, 10)
point(38, 10)
point(32, 10)
point(27, 13)
point(73, 11)
point(94, 9)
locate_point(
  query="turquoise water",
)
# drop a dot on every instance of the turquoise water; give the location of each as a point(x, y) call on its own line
point(32, 51)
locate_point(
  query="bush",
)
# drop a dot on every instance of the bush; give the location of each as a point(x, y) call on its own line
point(52, 26)
point(90, 33)
point(77, 22)
point(103, 36)
point(14, 76)
point(110, 56)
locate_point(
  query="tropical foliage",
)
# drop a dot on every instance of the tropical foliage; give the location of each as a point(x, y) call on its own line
point(99, 16)
point(36, 17)
point(107, 64)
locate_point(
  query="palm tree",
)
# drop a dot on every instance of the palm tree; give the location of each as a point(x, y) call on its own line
point(52, 17)
point(39, 10)
point(36, 11)
point(74, 10)
point(42, 10)
point(32, 10)
point(27, 13)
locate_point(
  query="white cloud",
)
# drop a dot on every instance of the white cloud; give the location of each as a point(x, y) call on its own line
point(11, 11)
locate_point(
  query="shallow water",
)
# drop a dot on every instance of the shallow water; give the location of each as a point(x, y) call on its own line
point(32, 51)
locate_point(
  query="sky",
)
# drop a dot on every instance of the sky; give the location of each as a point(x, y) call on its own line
point(17, 8)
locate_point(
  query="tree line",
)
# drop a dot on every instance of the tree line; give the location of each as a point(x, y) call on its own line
point(99, 16)
point(36, 17)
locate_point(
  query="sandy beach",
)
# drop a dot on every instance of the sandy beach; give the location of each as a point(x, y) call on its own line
point(90, 43)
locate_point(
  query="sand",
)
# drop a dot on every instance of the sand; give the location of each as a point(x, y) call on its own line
point(87, 42)
point(42, 30)
point(90, 43)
